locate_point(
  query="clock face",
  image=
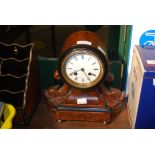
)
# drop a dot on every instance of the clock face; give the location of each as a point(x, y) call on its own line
point(82, 69)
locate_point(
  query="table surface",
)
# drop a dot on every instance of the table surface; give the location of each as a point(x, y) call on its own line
point(45, 119)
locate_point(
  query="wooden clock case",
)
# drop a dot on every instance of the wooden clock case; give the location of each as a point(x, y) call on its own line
point(102, 102)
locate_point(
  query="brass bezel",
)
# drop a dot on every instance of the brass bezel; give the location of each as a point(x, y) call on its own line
point(82, 85)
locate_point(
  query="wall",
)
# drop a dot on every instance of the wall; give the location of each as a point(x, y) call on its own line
point(42, 36)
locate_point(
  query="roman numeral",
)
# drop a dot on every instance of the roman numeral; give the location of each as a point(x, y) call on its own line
point(95, 68)
point(76, 58)
point(70, 62)
point(69, 68)
point(76, 78)
point(71, 73)
point(89, 58)
point(89, 79)
point(82, 56)
point(94, 63)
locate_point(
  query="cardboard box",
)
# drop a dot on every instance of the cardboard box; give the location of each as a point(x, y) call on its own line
point(141, 90)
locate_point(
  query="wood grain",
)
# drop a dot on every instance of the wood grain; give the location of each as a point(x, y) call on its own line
point(98, 96)
point(82, 36)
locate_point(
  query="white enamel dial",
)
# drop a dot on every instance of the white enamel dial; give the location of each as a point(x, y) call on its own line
point(83, 69)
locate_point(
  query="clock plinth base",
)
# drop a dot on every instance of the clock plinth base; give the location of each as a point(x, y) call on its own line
point(98, 104)
point(83, 116)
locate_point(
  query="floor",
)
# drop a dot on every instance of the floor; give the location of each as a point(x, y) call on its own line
point(45, 119)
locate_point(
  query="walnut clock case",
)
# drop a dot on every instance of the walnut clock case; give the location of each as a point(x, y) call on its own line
point(83, 67)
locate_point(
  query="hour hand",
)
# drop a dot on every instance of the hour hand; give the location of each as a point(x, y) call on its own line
point(91, 74)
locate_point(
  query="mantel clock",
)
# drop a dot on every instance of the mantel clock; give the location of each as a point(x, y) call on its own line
point(83, 67)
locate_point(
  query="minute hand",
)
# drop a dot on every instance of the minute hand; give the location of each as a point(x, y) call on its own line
point(82, 69)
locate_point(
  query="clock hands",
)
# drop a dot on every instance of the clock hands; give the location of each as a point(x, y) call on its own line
point(82, 69)
point(91, 74)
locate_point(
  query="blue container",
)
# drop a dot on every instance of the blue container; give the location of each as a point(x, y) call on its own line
point(141, 90)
